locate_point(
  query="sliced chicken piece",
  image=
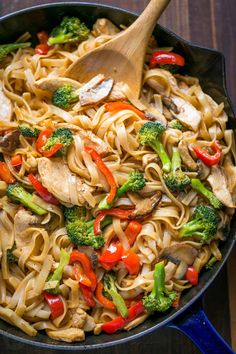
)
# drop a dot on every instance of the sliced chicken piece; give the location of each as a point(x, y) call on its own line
point(92, 140)
point(96, 94)
point(23, 220)
point(117, 93)
point(179, 252)
point(218, 182)
point(53, 83)
point(10, 141)
point(104, 26)
point(188, 115)
point(67, 335)
point(89, 324)
point(145, 206)
point(5, 106)
point(186, 157)
point(61, 182)
point(78, 318)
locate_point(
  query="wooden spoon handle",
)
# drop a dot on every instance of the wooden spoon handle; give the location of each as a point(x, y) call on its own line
point(148, 19)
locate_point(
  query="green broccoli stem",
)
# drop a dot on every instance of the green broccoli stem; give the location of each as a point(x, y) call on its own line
point(191, 228)
point(176, 160)
point(159, 149)
point(199, 187)
point(57, 275)
point(8, 48)
point(59, 39)
point(119, 302)
point(123, 189)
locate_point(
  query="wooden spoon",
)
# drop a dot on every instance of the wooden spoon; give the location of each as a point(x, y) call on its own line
point(121, 58)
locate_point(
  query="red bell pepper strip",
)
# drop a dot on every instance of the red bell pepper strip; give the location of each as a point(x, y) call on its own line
point(120, 322)
point(16, 160)
point(42, 191)
point(132, 231)
point(163, 57)
point(88, 295)
point(104, 301)
point(5, 173)
point(108, 266)
point(80, 257)
point(112, 254)
point(209, 160)
point(119, 106)
point(131, 261)
point(105, 171)
point(41, 141)
point(81, 277)
point(137, 298)
point(55, 303)
point(43, 47)
point(119, 213)
point(192, 276)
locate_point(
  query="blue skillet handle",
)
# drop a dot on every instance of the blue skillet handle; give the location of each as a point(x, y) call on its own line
point(198, 328)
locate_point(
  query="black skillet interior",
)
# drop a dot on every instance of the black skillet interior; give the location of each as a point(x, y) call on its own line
point(206, 64)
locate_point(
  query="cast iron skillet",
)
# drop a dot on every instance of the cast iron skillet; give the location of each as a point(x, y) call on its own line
point(208, 65)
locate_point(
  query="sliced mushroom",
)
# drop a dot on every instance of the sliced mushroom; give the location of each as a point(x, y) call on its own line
point(146, 206)
point(203, 170)
point(52, 84)
point(218, 182)
point(188, 115)
point(186, 157)
point(67, 334)
point(179, 252)
point(10, 141)
point(96, 94)
point(168, 102)
point(181, 270)
point(5, 106)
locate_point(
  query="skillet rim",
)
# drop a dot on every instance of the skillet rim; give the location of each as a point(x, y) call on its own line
point(171, 317)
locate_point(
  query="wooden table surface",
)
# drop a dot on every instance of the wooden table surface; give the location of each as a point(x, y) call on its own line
point(209, 23)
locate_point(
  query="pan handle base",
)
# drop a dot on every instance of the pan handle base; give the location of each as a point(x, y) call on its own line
point(196, 325)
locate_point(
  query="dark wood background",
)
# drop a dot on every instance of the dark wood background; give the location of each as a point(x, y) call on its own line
point(210, 23)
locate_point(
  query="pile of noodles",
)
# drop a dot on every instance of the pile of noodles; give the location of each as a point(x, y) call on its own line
point(21, 284)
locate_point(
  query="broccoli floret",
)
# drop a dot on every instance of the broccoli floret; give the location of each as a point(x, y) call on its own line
point(64, 96)
point(176, 180)
point(55, 278)
point(172, 68)
point(149, 134)
point(70, 30)
point(81, 233)
point(74, 213)
point(28, 131)
point(134, 183)
point(17, 193)
point(200, 188)
point(59, 136)
point(159, 299)
point(203, 224)
point(111, 292)
point(11, 258)
point(175, 124)
point(5, 49)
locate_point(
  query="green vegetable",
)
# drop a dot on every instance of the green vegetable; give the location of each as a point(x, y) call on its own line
point(70, 30)
point(175, 124)
point(211, 262)
point(204, 224)
point(58, 273)
point(176, 180)
point(5, 49)
point(169, 67)
point(111, 292)
point(200, 188)
point(160, 299)
point(149, 134)
point(81, 233)
point(134, 183)
point(59, 136)
point(17, 193)
point(28, 131)
point(74, 213)
point(64, 96)
point(11, 258)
